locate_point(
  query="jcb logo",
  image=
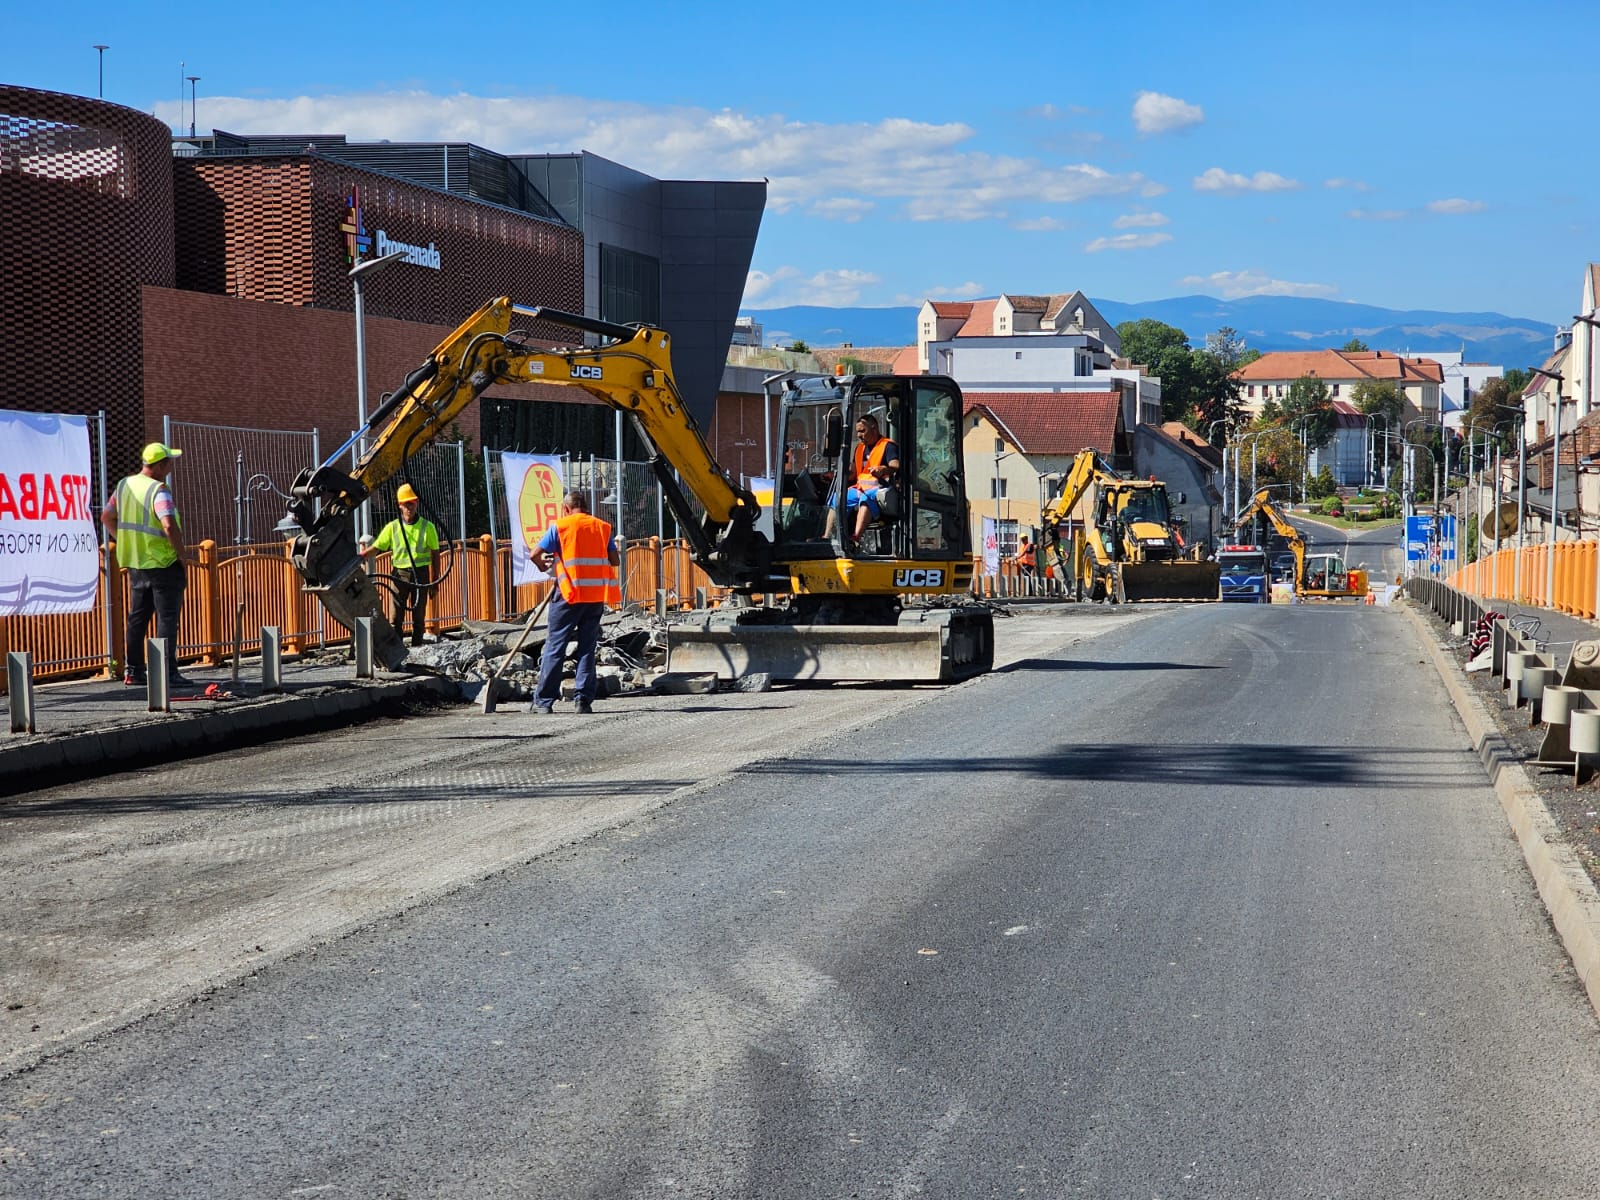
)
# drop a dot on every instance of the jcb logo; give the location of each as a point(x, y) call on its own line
point(580, 372)
point(930, 577)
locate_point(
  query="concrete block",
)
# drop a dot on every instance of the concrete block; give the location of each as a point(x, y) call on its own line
point(669, 684)
point(757, 681)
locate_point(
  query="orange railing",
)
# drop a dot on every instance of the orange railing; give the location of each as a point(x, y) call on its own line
point(255, 585)
point(1524, 577)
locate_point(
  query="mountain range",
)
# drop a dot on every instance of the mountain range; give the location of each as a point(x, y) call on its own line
point(1265, 323)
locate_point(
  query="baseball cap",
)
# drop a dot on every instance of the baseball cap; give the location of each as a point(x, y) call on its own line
point(155, 452)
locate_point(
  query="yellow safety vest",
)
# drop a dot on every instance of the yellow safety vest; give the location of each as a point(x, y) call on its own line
point(142, 545)
point(584, 570)
point(409, 545)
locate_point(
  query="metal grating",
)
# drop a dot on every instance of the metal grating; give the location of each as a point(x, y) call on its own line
point(85, 198)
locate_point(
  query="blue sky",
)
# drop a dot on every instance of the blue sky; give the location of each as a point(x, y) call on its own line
point(1411, 155)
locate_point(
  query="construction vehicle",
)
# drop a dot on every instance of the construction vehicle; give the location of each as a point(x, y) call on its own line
point(1322, 575)
point(806, 600)
point(1245, 575)
point(1130, 550)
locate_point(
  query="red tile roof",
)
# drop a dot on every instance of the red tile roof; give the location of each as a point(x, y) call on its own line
point(905, 362)
point(980, 321)
point(1340, 365)
point(951, 308)
point(1053, 422)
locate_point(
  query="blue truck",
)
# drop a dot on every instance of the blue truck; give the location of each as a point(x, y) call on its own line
point(1245, 576)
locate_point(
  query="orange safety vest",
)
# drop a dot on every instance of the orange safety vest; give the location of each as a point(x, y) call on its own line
point(1025, 556)
point(865, 462)
point(584, 570)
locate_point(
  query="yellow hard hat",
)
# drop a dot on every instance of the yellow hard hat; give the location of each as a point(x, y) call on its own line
point(407, 494)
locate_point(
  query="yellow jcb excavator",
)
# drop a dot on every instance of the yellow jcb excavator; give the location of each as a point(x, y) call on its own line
point(1324, 576)
point(886, 607)
point(1130, 549)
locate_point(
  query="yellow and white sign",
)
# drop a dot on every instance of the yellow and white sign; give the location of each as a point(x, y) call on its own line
point(533, 495)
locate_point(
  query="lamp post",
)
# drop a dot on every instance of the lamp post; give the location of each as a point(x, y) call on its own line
point(358, 273)
point(101, 47)
point(1211, 433)
point(998, 455)
point(1555, 483)
point(193, 79)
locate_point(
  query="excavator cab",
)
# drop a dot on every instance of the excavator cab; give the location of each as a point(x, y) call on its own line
point(918, 514)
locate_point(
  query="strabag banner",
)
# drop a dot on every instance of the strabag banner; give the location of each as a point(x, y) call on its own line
point(49, 554)
point(533, 498)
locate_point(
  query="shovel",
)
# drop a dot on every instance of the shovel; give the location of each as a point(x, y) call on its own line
point(487, 700)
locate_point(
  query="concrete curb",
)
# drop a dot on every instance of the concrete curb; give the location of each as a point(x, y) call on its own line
point(45, 759)
point(1569, 895)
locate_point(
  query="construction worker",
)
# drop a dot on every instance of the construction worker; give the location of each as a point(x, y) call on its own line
point(1025, 556)
point(411, 540)
point(877, 460)
point(577, 549)
point(142, 518)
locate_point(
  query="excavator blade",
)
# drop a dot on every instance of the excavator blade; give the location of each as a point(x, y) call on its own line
point(927, 646)
point(1182, 580)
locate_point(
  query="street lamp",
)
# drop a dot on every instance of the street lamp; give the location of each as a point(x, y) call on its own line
point(362, 269)
point(102, 48)
point(1555, 483)
point(998, 455)
point(193, 79)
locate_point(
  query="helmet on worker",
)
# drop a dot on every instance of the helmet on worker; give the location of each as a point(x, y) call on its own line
point(406, 494)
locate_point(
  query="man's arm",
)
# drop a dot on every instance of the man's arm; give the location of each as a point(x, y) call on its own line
point(108, 518)
point(891, 464)
point(169, 526)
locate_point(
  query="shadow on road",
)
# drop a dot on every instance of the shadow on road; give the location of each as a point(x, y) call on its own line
point(1073, 664)
point(1221, 766)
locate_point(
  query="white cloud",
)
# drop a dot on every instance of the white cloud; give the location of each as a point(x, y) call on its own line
point(1355, 185)
point(1231, 285)
point(1377, 214)
point(1216, 179)
point(1456, 207)
point(1140, 220)
point(1040, 225)
point(1126, 241)
point(930, 170)
point(785, 286)
point(848, 209)
point(961, 291)
point(1154, 113)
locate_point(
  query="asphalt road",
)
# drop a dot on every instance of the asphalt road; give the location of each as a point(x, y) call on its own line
point(1214, 903)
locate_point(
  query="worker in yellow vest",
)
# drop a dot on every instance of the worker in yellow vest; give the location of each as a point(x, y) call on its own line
point(141, 517)
point(411, 540)
point(577, 549)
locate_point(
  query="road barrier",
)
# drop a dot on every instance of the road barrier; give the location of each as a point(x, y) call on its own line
point(1524, 576)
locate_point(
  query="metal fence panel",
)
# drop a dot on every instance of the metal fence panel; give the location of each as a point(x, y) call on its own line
point(232, 483)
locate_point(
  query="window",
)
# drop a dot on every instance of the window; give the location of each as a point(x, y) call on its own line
point(1336, 389)
point(1250, 391)
point(999, 446)
point(1018, 355)
point(630, 287)
point(997, 489)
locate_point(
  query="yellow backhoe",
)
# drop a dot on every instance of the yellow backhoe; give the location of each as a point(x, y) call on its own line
point(888, 605)
point(1324, 575)
point(1129, 548)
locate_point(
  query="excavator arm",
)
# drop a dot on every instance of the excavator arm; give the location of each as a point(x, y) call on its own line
point(630, 370)
point(1262, 503)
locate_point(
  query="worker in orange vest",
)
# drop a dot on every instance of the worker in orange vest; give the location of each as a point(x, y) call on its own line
point(578, 550)
point(1025, 557)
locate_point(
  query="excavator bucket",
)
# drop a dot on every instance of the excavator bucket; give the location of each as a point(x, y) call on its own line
point(927, 646)
point(1180, 580)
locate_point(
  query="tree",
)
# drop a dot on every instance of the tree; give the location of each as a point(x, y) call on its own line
point(1309, 404)
point(1489, 409)
point(1194, 386)
point(1147, 340)
point(1354, 346)
point(1378, 397)
point(1276, 454)
point(798, 346)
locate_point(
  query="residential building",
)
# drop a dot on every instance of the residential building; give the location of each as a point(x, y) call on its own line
point(1460, 382)
point(1056, 344)
point(747, 331)
point(1419, 380)
point(1019, 446)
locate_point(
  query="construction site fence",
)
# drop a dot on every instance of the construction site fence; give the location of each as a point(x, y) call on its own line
point(1525, 576)
point(234, 591)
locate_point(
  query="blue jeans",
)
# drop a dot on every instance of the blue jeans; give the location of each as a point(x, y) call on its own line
point(569, 622)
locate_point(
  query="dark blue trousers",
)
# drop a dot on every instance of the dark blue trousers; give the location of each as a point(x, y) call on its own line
point(569, 622)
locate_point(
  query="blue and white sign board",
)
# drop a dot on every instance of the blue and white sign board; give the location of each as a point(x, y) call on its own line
point(1432, 539)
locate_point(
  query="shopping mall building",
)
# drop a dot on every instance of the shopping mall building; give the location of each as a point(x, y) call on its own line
point(207, 279)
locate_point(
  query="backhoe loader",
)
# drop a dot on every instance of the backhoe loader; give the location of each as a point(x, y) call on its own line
point(1130, 549)
point(809, 600)
point(1322, 576)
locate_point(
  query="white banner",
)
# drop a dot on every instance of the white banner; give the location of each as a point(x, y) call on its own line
point(991, 547)
point(49, 554)
point(533, 500)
